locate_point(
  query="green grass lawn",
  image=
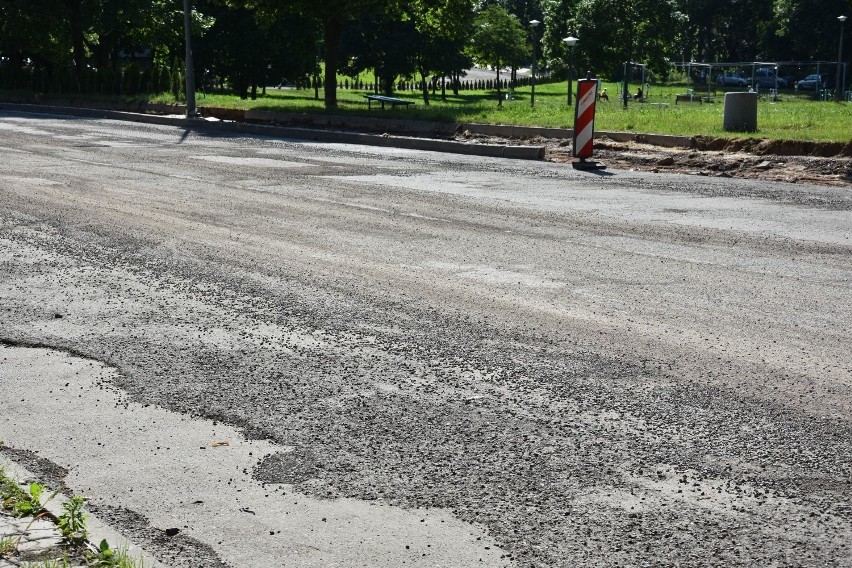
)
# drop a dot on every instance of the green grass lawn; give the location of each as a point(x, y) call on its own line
point(790, 117)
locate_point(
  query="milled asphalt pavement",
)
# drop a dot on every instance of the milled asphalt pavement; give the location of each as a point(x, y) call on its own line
point(33, 369)
point(207, 468)
point(319, 354)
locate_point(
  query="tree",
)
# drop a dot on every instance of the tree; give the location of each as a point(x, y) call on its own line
point(498, 39)
point(804, 29)
point(615, 31)
point(33, 30)
point(332, 14)
point(384, 42)
point(441, 28)
point(250, 47)
point(556, 15)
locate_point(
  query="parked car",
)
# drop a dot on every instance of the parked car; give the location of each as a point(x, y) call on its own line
point(732, 80)
point(813, 82)
point(765, 78)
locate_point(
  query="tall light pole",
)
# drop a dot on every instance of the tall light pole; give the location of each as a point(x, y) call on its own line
point(191, 111)
point(838, 89)
point(570, 41)
point(534, 24)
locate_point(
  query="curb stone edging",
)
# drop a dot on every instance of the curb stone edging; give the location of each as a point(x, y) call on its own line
point(317, 135)
point(98, 530)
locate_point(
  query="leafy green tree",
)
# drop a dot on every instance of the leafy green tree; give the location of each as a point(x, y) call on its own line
point(498, 39)
point(722, 30)
point(384, 42)
point(615, 31)
point(426, 37)
point(524, 10)
point(33, 31)
point(805, 29)
point(556, 15)
point(332, 15)
point(441, 28)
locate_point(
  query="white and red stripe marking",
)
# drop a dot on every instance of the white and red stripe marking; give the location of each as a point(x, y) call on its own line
point(584, 117)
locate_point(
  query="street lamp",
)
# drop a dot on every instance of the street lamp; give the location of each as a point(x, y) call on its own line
point(570, 41)
point(837, 86)
point(534, 24)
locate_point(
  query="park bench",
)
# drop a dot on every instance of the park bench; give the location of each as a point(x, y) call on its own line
point(688, 98)
point(393, 101)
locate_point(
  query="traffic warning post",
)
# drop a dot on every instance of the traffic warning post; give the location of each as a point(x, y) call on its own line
point(584, 124)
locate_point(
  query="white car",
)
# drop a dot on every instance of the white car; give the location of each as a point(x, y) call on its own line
point(732, 80)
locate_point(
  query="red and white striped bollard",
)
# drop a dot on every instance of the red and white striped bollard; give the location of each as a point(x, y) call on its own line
point(584, 124)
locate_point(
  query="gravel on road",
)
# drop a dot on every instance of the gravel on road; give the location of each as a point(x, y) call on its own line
point(617, 369)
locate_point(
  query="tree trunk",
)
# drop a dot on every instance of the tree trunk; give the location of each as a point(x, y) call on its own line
point(424, 87)
point(499, 94)
point(75, 24)
point(332, 30)
point(387, 84)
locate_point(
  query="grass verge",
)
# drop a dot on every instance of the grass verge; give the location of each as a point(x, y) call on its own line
point(790, 117)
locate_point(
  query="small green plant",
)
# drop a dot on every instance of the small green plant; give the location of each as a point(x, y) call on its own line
point(8, 546)
point(72, 521)
point(30, 503)
point(107, 557)
point(18, 502)
point(48, 563)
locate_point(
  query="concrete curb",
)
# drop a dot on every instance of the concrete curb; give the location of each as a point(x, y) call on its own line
point(316, 135)
point(512, 131)
point(98, 530)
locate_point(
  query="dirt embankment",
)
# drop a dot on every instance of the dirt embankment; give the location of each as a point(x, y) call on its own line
point(823, 163)
point(762, 147)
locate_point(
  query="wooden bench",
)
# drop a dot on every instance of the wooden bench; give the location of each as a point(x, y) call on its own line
point(688, 98)
point(394, 102)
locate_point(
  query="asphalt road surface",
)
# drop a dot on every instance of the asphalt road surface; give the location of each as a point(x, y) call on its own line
point(422, 359)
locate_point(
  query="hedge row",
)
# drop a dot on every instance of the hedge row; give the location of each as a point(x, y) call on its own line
point(128, 80)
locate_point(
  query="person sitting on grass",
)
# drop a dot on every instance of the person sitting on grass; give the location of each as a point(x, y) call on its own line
point(603, 96)
point(640, 95)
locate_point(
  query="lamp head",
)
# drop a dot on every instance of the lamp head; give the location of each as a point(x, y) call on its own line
point(570, 41)
point(841, 18)
point(534, 23)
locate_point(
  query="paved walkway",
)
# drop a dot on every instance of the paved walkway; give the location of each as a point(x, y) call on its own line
point(35, 540)
point(32, 541)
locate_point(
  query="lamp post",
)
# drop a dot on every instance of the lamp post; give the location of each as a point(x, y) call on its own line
point(570, 41)
point(837, 86)
point(191, 111)
point(534, 24)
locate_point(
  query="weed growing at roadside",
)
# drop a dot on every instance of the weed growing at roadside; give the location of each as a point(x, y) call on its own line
point(48, 563)
point(72, 522)
point(7, 546)
point(107, 557)
point(30, 504)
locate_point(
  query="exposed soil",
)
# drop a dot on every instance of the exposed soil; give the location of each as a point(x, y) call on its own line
point(822, 163)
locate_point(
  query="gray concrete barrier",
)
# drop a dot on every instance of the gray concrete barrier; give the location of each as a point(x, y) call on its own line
point(740, 113)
